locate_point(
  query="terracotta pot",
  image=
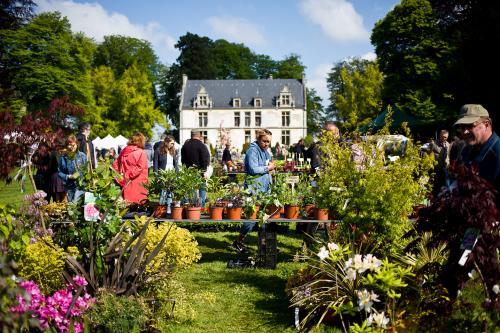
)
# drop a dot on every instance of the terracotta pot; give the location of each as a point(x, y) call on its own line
point(177, 213)
point(282, 210)
point(321, 214)
point(216, 213)
point(273, 211)
point(160, 211)
point(233, 213)
point(193, 213)
point(254, 214)
point(292, 212)
point(309, 210)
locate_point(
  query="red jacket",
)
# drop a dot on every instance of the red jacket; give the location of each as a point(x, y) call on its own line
point(132, 164)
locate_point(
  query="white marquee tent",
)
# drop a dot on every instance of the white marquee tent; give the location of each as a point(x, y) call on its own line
point(110, 142)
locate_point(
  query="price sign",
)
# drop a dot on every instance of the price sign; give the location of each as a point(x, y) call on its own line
point(292, 179)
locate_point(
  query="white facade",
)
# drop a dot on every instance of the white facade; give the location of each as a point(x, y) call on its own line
point(221, 107)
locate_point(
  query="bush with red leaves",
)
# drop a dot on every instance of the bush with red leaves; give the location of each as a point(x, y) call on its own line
point(19, 139)
point(471, 202)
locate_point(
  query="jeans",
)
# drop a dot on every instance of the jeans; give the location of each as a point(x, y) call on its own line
point(246, 228)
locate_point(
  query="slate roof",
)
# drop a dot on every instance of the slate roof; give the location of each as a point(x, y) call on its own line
point(222, 92)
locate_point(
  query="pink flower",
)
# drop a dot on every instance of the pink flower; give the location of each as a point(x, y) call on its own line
point(80, 281)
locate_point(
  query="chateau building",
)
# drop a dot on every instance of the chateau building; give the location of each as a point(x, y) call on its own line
point(234, 109)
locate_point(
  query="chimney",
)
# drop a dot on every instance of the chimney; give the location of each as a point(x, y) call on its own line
point(270, 76)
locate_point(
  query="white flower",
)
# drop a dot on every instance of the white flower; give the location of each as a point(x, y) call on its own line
point(496, 289)
point(364, 301)
point(472, 274)
point(371, 262)
point(333, 247)
point(358, 263)
point(350, 274)
point(379, 319)
point(323, 253)
point(348, 263)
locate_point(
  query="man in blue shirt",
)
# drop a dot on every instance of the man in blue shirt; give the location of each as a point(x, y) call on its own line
point(258, 162)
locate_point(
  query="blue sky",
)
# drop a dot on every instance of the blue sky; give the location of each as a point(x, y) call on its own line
point(322, 32)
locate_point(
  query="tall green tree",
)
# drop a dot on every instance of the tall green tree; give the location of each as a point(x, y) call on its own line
point(102, 117)
point(355, 92)
point(121, 52)
point(264, 66)
point(134, 106)
point(233, 61)
point(48, 61)
point(413, 54)
point(314, 112)
point(290, 68)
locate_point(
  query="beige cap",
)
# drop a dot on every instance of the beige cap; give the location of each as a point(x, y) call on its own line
point(470, 113)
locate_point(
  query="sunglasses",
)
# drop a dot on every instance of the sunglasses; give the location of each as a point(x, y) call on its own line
point(473, 125)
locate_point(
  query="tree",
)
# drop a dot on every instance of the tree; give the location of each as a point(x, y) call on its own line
point(15, 13)
point(263, 66)
point(412, 54)
point(314, 112)
point(355, 92)
point(134, 107)
point(290, 68)
point(47, 61)
point(233, 61)
point(196, 57)
point(120, 52)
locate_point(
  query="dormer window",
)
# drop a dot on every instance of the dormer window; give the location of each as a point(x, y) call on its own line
point(285, 99)
point(257, 102)
point(202, 100)
point(236, 103)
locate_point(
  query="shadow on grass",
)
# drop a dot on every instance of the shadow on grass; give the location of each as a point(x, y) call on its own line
point(269, 285)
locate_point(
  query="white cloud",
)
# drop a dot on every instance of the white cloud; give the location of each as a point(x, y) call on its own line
point(96, 22)
point(236, 29)
point(317, 80)
point(338, 19)
point(370, 56)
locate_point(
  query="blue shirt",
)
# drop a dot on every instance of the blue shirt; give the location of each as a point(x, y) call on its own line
point(487, 157)
point(256, 160)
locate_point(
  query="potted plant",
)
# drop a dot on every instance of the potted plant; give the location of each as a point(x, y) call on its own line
point(305, 192)
point(235, 201)
point(216, 192)
point(190, 180)
point(159, 187)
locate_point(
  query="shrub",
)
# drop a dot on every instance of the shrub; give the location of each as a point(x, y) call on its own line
point(118, 314)
point(43, 262)
point(180, 249)
point(372, 197)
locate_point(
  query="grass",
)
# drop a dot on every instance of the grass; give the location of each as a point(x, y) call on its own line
point(222, 299)
point(11, 193)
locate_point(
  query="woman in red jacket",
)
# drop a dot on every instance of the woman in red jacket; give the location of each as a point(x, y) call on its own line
point(132, 164)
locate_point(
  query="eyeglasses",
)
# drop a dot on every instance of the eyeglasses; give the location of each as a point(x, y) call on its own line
point(473, 125)
point(265, 141)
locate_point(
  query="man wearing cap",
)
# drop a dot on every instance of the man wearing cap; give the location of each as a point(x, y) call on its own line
point(195, 153)
point(483, 145)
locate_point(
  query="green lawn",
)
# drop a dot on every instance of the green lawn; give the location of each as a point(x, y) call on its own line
point(11, 193)
point(220, 299)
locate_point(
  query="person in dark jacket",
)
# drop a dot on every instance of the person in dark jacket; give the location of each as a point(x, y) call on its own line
point(166, 157)
point(483, 144)
point(194, 153)
point(85, 145)
point(226, 155)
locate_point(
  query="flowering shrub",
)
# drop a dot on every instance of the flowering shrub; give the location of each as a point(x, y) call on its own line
point(43, 261)
point(32, 208)
point(63, 310)
point(359, 290)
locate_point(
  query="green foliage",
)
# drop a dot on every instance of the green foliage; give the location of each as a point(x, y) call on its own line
point(216, 190)
point(314, 113)
point(118, 314)
point(14, 237)
point(355, 92)
point(121, 52)
point(187, 183)
point(43, 262)
point(342, 283)
point(48, 61)
point(410, 43)
point(164, 180)
point(290, 68)
point(372, 197)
